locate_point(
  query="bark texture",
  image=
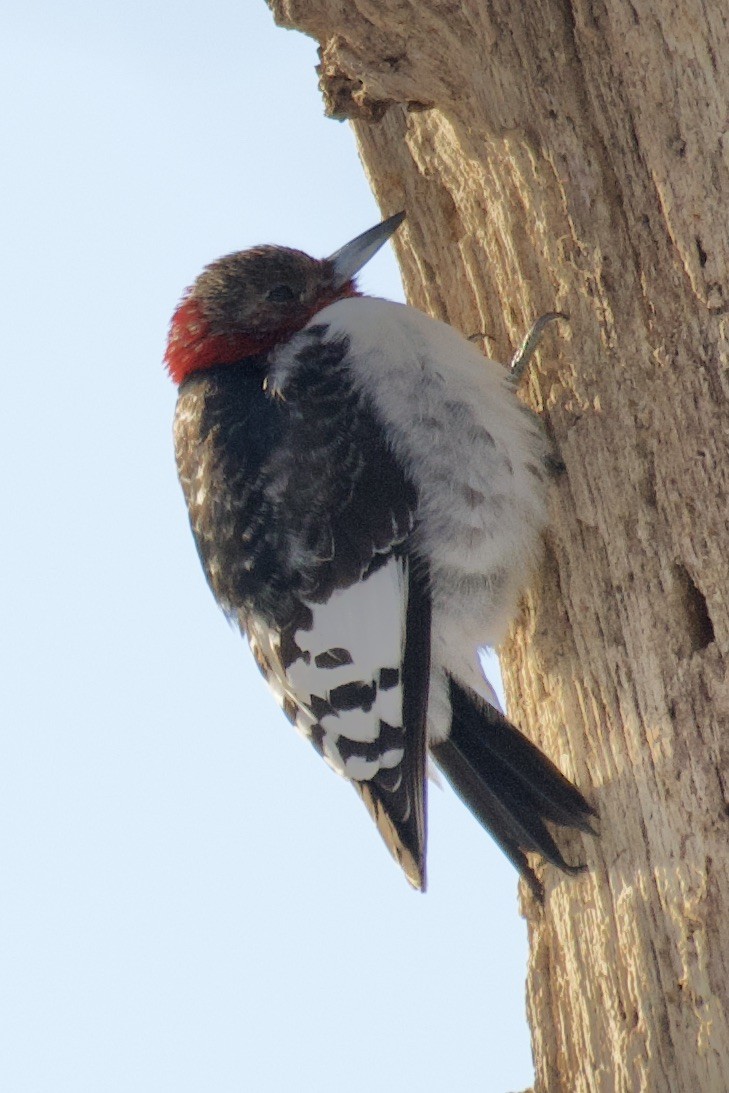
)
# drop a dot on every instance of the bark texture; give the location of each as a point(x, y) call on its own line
point(574, 155)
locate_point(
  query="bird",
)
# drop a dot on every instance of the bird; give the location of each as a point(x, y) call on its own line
point(368, 498)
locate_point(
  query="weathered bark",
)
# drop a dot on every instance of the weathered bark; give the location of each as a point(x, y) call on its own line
point(576, 157)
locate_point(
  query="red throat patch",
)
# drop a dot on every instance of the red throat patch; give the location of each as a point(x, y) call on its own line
point(191, 347)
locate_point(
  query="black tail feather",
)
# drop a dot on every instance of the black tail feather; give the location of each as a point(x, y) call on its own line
point(509, 784)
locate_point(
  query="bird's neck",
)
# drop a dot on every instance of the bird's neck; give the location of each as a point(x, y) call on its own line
point(193, 347)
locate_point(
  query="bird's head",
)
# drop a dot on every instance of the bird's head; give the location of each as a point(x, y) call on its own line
point(247, 302)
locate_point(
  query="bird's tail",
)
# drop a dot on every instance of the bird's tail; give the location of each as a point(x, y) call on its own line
point(511, 787)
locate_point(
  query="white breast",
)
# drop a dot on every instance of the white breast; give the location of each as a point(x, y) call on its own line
point(474, 451)
point(476, 456)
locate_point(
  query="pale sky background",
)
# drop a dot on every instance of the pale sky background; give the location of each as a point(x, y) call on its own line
point(189, 899)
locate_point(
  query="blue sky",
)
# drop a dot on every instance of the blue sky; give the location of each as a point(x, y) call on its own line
point(190, 899)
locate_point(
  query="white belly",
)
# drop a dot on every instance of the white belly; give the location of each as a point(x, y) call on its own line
point(473, 450)
point(476, 456)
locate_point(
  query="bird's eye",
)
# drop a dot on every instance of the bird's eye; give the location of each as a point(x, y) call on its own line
point(281, 294)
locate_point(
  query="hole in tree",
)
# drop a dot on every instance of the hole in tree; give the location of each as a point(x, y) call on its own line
point(699, 627)
point(702, 253)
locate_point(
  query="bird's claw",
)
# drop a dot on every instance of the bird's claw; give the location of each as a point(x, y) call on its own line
point(525, 352)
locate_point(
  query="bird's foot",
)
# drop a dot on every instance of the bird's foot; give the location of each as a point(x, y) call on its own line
point(525, 352)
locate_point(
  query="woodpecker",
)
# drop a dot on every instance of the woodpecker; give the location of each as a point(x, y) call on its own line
point(368, 495)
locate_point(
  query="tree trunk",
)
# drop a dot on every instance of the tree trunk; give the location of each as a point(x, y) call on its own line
point(575, 157)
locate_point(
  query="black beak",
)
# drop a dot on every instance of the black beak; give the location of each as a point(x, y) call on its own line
point(350, 258)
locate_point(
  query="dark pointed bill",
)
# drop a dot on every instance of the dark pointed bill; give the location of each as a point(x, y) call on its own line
point(350, 258)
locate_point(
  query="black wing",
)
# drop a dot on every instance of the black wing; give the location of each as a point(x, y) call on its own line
point(303, 519)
